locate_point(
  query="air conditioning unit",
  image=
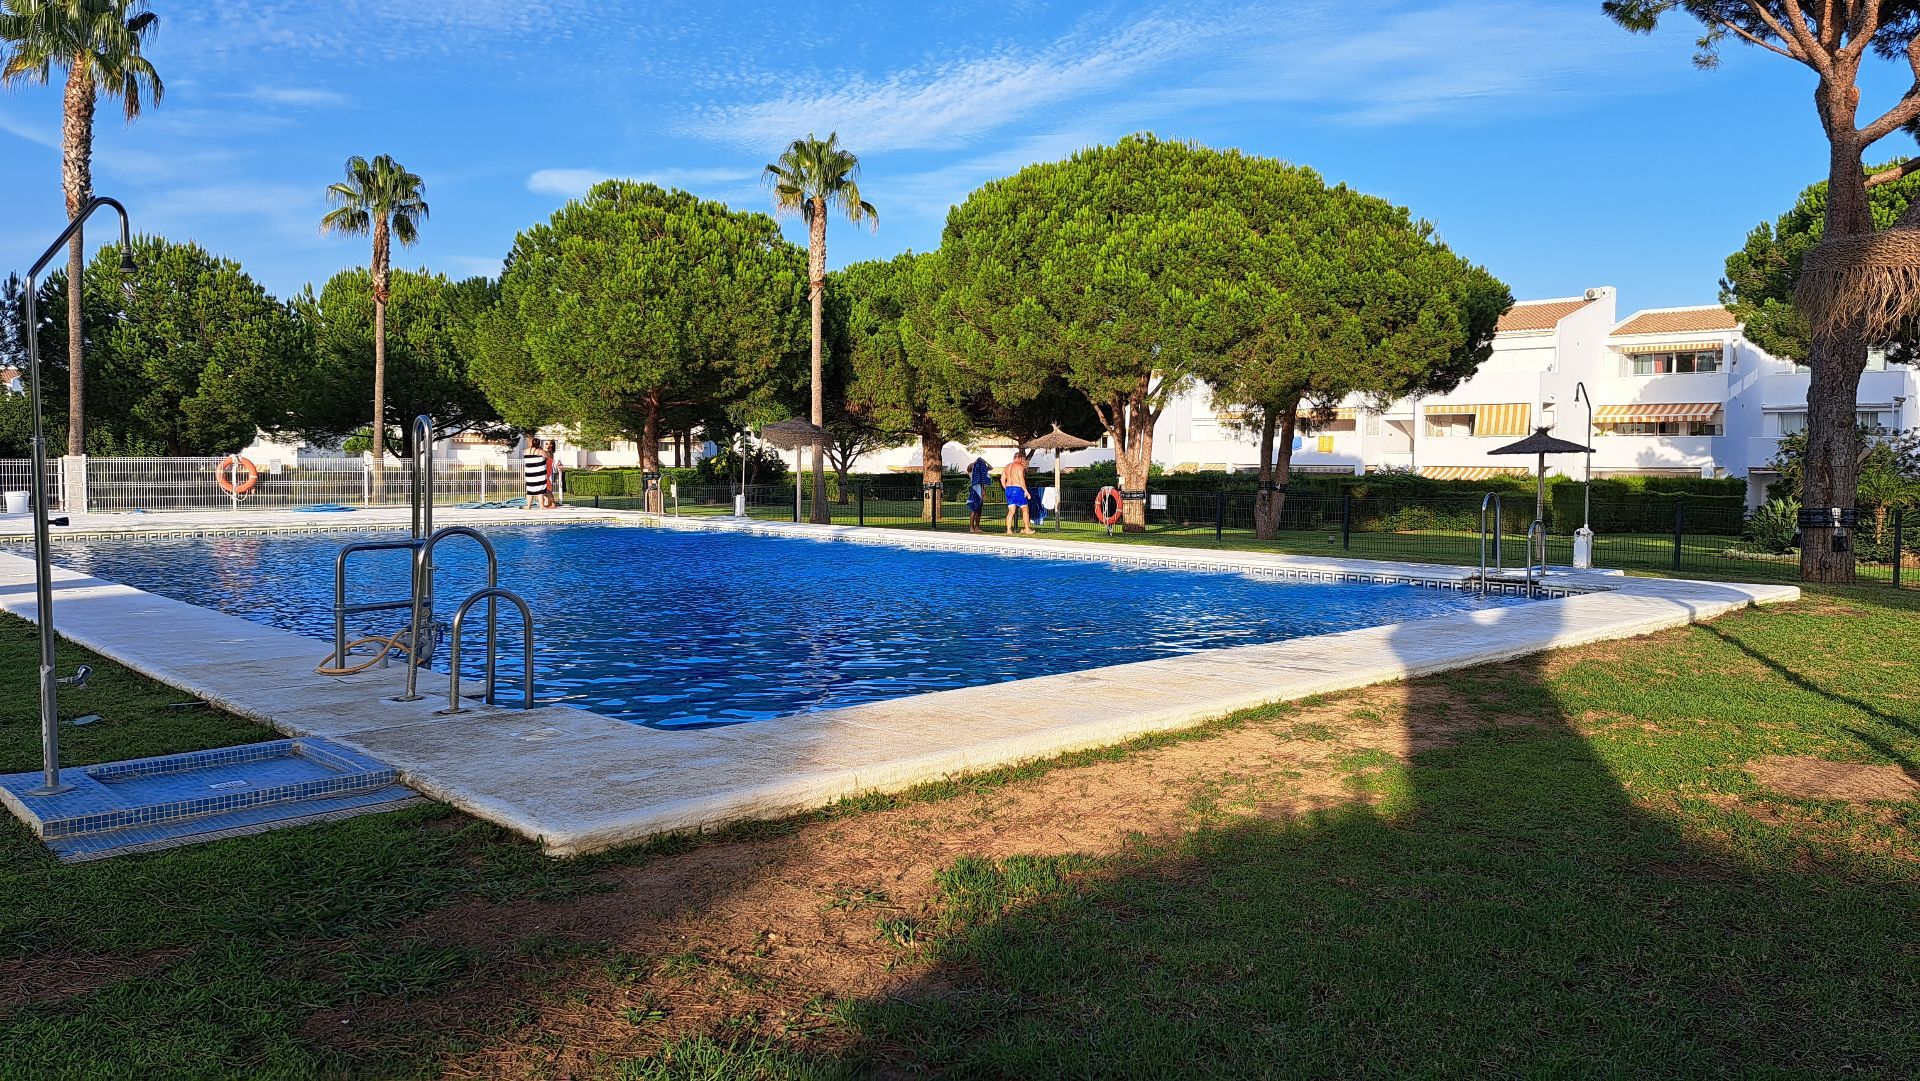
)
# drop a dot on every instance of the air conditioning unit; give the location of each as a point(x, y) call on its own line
point(1595, 294)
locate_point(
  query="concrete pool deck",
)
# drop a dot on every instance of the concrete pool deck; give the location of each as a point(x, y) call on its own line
point(577, 782)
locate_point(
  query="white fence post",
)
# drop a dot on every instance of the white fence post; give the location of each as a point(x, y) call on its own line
point(73, 483)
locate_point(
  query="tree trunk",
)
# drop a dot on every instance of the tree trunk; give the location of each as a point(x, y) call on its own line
point(1832, 464)
point(816, 296)
point(933, 444)
point(377, 434)
point(1831, 477)
point(650, 449)
point(1275, 470)
point(1133, 457)
point(76, 176)
point(843, 456)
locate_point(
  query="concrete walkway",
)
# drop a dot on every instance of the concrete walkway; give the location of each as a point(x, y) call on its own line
point(578, 782)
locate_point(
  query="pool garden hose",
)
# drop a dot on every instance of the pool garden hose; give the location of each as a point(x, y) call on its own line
point(388, 644)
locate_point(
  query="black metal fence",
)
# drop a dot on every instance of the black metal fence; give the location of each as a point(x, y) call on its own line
point(1694, 536)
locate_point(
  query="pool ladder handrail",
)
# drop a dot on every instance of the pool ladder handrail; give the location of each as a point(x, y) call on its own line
point(420, 602)
point(422, 617)
point(1540, 528)
point(420, 496)
point(1492, 498)
point(490, 595)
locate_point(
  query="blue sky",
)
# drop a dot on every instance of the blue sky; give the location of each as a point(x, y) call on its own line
point(1544, 142)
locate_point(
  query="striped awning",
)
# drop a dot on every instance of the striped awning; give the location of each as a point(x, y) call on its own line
point(1656, 411)
point(1473, 472)
point(1672, 347)
point(1346, 413)
point(1502, 418)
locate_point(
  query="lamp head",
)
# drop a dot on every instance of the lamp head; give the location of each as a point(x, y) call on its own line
point(126, 272)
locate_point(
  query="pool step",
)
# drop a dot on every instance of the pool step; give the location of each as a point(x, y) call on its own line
point(175, 799)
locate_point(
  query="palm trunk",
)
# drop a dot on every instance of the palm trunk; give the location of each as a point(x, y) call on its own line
point(378, 432)
point(76, 175)
point(1832, 466)
point(816, 296)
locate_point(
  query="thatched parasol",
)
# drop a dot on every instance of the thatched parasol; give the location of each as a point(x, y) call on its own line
point(1870, 282)
point(1541, 444)
point(1057, 442)
point(795, 435)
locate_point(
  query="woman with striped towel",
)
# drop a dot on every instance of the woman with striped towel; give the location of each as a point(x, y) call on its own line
point(535, 462)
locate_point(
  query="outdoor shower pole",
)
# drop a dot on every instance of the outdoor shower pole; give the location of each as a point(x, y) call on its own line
point(1583, 539)
point(42, 539)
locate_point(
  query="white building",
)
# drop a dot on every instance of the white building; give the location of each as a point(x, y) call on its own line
point(1673, 391)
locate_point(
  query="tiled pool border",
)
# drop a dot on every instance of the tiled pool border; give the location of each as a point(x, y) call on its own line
point(579, 782)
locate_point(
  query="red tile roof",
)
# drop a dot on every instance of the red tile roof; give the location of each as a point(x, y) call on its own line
point(1539, 314)
point(1680, 321)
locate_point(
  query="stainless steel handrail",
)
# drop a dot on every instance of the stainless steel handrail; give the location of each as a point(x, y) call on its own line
point(1539, 527)
point(526, 646)
point(341, 609)
point(1494, 499)
point(422, 467)
point(423, 598)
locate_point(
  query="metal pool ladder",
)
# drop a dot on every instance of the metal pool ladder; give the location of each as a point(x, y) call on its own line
point(1490, 499)
point(422, 629)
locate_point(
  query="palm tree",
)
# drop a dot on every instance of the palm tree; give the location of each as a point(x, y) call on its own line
point(812, 177)
point(381, 198)
point(97, 43)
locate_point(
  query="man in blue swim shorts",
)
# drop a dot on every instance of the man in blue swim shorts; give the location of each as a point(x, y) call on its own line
point(979, 475)
point(1014, 479)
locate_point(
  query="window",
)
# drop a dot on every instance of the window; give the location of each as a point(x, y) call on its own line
point(1443, 425)
point(1679, 363)
point(1664, 427)
point(1795, 423)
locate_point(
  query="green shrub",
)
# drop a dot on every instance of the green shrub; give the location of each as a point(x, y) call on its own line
point(1774, 526)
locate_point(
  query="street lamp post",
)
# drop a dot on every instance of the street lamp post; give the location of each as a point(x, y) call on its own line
point(1583, 538)
point(42, 541)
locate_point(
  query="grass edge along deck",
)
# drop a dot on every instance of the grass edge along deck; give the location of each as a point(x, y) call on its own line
point(578, 782)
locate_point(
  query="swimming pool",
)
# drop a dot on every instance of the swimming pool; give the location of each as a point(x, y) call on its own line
point(686, 628)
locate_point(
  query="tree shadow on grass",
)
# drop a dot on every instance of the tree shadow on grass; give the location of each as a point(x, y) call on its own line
point(1501, 906)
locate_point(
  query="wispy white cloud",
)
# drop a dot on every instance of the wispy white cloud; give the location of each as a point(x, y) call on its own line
point(949, 104)
point(1458, 59)
point(573, 183)
point(300, 97)
point(46, 135)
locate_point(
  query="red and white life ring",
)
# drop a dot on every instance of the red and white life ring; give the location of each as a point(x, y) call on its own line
point(1109, 496)
point(246, 475)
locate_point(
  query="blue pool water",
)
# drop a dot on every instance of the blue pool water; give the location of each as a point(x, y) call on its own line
point(680, 628)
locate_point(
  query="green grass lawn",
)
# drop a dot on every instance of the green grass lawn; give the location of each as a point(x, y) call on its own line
point(1579, 879)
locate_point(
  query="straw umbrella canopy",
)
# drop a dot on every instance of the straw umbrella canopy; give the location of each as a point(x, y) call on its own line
point(1057, 442)
point(1540, 444)
point(795, 435)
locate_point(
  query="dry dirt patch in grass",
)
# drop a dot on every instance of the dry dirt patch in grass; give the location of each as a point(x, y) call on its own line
point(765, 935)
point(51, 979)
point(1804, 777)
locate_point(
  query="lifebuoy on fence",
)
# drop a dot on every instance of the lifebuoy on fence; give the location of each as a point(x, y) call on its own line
point(245, 475)
point(1106, 506)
